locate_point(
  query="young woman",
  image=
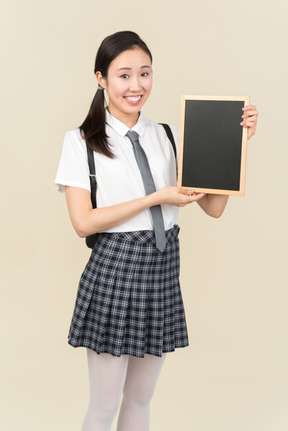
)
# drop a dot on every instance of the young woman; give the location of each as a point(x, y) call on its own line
point(129, 312)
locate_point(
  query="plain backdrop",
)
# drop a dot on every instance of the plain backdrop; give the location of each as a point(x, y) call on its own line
point(234, 279)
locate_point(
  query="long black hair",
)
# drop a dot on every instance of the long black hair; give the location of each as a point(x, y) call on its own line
point(93, 127)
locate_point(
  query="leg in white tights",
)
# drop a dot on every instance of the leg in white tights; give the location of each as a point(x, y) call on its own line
point(107, 375)
point(141, 379)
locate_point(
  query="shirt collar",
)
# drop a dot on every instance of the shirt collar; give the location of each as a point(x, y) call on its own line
point(122, 129)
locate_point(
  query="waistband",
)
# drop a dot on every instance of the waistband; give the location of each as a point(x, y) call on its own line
point(144, 236)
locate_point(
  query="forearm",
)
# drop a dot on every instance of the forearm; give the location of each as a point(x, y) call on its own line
point(213, 205)
point(117, 214)
point(87, 220)
point(101, 219)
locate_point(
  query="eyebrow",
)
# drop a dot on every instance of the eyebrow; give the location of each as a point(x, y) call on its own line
point(129, 68)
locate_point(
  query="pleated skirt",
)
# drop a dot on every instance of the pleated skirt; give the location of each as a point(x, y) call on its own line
point(129, 300)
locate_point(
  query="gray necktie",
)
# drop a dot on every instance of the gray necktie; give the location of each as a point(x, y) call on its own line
point(149, 186)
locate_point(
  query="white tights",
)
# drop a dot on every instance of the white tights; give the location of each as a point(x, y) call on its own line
point(109, 377)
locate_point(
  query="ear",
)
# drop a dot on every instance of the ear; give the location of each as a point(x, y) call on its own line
point(100, 79)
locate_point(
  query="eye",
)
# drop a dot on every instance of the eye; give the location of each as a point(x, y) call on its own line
point(124, 76)
point(145, 74)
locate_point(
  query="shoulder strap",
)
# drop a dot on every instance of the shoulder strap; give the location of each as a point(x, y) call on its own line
point(93, 184)
point(171, 137)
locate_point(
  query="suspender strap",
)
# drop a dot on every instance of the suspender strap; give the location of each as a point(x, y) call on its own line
point(171, 137)
point(92, 175)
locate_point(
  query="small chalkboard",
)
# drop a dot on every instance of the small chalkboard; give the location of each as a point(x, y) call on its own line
point(212, 154)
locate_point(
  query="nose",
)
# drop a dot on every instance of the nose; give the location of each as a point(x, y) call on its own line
point(135, 84)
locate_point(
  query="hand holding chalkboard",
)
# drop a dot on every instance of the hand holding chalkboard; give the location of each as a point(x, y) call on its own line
point(213, 144)
point(250, 117)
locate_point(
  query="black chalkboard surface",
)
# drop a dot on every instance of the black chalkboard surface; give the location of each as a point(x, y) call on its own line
point(212, 154)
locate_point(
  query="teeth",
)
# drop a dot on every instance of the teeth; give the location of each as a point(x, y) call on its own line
point(133, 99)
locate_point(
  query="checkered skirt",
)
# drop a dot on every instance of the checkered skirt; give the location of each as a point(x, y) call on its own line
point(129, 299)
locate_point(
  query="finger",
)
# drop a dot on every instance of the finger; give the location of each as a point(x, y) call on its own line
point(250, 111)
point(249, 121)
point(253, 118)
point(250, 125)
point(250, 114)
point(246, 108)
point(185, 191)
point(197, 197)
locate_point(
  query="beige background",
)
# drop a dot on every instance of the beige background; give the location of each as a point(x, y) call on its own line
point(234, 270)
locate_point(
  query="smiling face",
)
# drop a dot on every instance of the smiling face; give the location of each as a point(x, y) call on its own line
point(128, 84)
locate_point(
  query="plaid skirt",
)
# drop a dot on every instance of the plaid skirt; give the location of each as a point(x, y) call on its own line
point(129, 300)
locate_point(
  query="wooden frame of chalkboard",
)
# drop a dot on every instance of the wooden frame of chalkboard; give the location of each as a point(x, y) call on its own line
point(213, 145)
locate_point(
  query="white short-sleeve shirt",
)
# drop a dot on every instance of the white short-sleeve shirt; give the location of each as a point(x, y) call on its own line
point(119, 179)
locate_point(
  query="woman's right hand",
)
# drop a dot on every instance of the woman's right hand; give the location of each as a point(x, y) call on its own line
point(177, 196)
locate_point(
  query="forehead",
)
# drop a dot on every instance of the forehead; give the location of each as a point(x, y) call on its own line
point(131, 59)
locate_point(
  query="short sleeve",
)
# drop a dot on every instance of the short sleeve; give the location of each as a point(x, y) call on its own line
point(73, 168)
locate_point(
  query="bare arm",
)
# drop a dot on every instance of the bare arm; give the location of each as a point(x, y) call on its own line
point(87, 221)
point(213, 205)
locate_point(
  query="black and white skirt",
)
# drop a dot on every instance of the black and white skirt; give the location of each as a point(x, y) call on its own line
point(129, 300)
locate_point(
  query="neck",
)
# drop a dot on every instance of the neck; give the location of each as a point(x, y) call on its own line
point(128, 119)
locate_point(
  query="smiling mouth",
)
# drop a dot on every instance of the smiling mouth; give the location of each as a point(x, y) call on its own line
point(133, 98)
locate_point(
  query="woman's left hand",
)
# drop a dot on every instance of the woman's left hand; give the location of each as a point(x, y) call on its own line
point(250, 117)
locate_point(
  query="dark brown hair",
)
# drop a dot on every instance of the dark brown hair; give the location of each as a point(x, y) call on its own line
point(93, 128)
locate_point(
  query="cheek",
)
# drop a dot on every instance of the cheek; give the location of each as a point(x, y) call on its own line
point(148, 86)
point(115, 88)
point(151, 83)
